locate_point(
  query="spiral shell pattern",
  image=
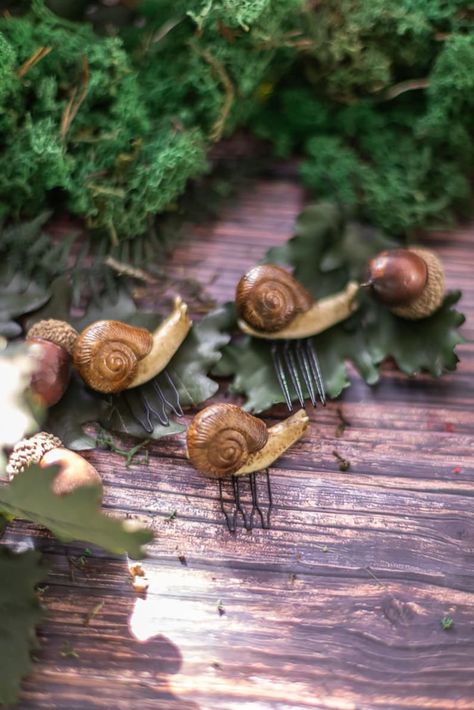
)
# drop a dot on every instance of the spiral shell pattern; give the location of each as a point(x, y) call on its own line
point(107, 352)
point(221, 437)
point(268, 298)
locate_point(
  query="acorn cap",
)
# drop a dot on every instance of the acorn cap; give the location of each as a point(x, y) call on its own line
point(56, 331)
point(30, 451)
point(432, 295)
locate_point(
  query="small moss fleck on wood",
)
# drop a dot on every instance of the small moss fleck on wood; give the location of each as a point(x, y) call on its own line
point(447, 623)
point(344, 464)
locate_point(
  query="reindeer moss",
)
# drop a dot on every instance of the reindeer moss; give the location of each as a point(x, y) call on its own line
point(380, 105)
point(122, 107)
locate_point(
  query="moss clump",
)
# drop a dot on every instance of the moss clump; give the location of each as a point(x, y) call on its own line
point(122, 106)
point(113, 127)
point(380, 105)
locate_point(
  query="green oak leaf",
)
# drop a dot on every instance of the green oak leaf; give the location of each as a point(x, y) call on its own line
point(20, 291)
point(327, 251)
point(78, 406)
point(416, 346)
point(18, 295)
point(198, 355)
point(20, 612)
point(75, 516)
point(58, 306)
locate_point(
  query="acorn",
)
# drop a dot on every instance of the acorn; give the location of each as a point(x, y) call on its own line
point(47, 450)
point(51, 343)
point(409, 281)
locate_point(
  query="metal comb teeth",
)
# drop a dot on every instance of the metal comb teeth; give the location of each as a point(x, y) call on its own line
point(237, 504)
point(153, 402)
point(296, 364)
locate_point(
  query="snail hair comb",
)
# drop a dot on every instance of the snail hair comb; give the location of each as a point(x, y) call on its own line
point(228, 444)
point(119, 359)
point(273, 305)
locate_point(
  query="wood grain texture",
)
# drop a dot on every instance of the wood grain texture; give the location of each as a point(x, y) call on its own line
point(338, 606)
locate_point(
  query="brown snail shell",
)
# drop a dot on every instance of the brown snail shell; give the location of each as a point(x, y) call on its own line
point(269, 298)
point(107, 353)
point(221, 438)
point(409, 281)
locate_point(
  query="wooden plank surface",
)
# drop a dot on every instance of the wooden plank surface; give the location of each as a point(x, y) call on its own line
point(338, 605)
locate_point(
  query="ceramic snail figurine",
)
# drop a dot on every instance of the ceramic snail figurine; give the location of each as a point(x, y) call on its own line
point(272, 304)
point(47, 450)
point(223, 440)
point(226, 443)
point(112, 356)
point(409, 281)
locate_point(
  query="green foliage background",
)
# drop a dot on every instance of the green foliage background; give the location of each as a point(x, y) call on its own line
point(376, 97)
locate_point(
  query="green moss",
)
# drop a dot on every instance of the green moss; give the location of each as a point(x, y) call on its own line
point(376, 97)
point(380, 105)
point(117, 125)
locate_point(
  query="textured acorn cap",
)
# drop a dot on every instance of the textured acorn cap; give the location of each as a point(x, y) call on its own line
point(56, 331)
point(432, 295)
point(30, 451)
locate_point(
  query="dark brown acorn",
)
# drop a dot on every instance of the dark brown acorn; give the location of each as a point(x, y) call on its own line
point(409, 281)
point(50, 345)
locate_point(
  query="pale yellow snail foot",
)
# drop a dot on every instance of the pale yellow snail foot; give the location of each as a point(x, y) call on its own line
point(323, 314)
point(167, 339)
point(280, 437)
point(224, 440)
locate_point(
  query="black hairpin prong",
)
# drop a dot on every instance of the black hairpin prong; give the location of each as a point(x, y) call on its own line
point(139, 409)
point(174, 403)
point(233, 507)
point(230, 518)
point(297, 360)
point(280, 373)
point(238, 502)
point(314, 362)
point(302, 357)
point(292, 368)
point(161, 402)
